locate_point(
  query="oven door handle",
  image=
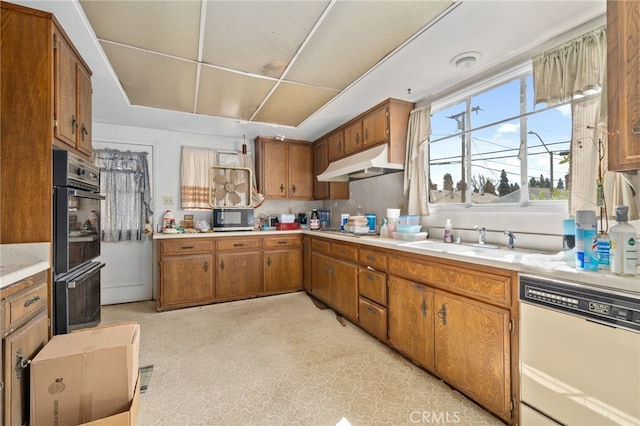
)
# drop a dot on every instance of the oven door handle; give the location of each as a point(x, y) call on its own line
point(83, 273)
point(84, 194)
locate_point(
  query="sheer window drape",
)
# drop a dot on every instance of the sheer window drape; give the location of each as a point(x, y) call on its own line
point(416, 186)
point(124, 181)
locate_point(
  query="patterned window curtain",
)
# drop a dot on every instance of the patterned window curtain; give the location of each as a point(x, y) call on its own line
point(416, 172)
point(577, 71)
point(124, 181)
point(194, 177)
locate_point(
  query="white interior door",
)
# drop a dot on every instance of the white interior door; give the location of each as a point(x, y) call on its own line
point(128, 274)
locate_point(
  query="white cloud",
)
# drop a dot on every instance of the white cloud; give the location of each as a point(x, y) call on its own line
point(565, 110)
point(508, 128)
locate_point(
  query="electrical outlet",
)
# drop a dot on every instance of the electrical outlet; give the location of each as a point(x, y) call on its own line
point(167, 200)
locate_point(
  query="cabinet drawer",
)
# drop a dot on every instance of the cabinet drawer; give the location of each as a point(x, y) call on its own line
point(26, 304)
point(284, 241)
point(374, 259)
point(238, 244)
point(372, 285)
point(321, 246)
point(373, 318)
point(186, 246)
point(481, 284)
point(344, 251)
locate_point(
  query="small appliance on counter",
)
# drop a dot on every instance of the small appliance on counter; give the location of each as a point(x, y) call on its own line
point(232, 219)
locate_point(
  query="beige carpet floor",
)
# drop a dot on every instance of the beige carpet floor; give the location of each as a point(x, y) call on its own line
point(280, 361)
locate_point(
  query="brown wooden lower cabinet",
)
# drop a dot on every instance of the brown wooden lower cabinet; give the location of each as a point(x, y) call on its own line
point(472, 350)
point(282, 270)
point(18, 349)
point(411, 316)
point(238, 274)
point(373, 318)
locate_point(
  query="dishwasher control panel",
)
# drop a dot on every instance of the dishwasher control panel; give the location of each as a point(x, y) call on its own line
point(611, 308)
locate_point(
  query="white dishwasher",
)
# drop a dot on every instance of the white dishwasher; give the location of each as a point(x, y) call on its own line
point(580, 354)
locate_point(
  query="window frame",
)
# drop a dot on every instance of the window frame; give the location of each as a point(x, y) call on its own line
point(520, 72)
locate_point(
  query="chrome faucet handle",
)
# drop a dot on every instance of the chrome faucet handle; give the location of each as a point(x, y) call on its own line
point(511, 238)
point(481, 234)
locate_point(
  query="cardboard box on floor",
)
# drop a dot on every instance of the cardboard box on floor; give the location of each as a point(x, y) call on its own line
point(88, 375)
point(127, 418)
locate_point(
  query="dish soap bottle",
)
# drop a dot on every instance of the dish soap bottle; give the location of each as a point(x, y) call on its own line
point(448, 232)
point(623, 256)
point(384, 232)
point(314, 222)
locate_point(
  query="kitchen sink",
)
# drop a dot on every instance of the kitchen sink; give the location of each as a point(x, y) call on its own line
point(480, 251)
point(487, 246)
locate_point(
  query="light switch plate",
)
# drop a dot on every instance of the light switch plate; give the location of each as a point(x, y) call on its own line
point(167, 200)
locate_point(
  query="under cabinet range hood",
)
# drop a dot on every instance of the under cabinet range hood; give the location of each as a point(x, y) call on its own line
point(365, 164)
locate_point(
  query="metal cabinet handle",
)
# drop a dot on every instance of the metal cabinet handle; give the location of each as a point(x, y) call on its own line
point(293, 188)
point(84, 131)
point(442, 314)
point(423, 307)
point(222, 265)
point(340, 146)
point(268, 260)
point(22, 362)
point(31, 301)
point(206, 266)
point(366, 134)
point(357, 138)
point(74, 124)
point(281, 187)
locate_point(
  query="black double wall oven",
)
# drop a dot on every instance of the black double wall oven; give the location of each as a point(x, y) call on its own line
point(76, 242)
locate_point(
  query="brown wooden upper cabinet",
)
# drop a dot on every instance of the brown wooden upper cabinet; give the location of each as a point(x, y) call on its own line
point(326, 190)
point(623, 62)
point(72, 97)
point(284, 169)
point(335, 146)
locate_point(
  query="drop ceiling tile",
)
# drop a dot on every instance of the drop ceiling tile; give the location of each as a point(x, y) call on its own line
point(169, 26)
point(290, 104)
point(153, 80)
point(258, 37)
point(356, 35)
point(228, 94)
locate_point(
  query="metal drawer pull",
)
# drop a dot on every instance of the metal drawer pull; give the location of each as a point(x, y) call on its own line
point(371, 258)
point(238, 245)
point(282, 242)
point(186, 247)
point(342, 251)
point(370, 309)
point(31, 301)
point(370, 277)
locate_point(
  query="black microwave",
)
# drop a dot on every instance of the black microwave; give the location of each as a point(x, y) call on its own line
point(232, 219)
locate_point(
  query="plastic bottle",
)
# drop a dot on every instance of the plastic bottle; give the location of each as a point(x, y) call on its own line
point(384, 233)
point(448, 232)
point(623, 255)
point(586, 241)
point(93, 221)
point(167, 220)
point(604, 247)
point(314, 222)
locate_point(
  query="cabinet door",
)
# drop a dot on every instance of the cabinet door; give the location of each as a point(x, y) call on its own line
point(238, 274)
point(410, 317)
point(353, 138)
point(320, 163)
point(84, 110)
point(274, 154)
point(65, 92)
point(335, 145)
point(320, 277)
point(300, 171)
point(344, 288)
point(19, 348)
point(306, 264)
point(472, 350)
point(375, 127)
point(186, 279)
point(282, 270)
point(623, 63)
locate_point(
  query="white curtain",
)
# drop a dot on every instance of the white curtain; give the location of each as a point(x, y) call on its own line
point(416, 185)
point(575, 68)
point(194, 177)
point(124, 181)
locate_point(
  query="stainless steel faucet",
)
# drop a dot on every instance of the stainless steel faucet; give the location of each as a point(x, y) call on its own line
point(481, 234)
point(511, 238)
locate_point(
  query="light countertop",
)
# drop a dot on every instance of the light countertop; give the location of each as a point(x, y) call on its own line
point(550, 265)
point(19, 261)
